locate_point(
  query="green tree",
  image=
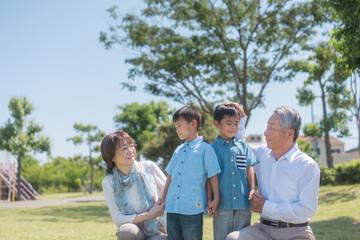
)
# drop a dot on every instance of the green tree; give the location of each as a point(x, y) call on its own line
point(165, 141)
point(92, 136)
point(33, 172)
point(206, 52)
point(346, 35)
point(326, 71)
point(140, 120)
point(20, 137)
point(346, 39)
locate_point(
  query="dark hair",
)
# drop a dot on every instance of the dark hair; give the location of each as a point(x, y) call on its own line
point(188, 113)
point(110, 144)
point(225, 110)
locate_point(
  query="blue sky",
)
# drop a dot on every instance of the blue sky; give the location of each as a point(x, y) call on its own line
point(50, 53)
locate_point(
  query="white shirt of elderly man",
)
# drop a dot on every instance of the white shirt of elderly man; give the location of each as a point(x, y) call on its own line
point(288, 182)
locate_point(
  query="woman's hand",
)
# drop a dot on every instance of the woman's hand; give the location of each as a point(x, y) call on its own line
point(157, 210)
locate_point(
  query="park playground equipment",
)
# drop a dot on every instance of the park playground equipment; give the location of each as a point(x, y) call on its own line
point(8, 185)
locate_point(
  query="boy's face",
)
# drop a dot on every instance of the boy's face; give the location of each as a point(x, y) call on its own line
point(185, 129)
point(228, 126)
point(124, 155)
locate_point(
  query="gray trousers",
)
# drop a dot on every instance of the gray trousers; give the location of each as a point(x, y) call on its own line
point(130, 231)
point(228, 221)
point(261, 231)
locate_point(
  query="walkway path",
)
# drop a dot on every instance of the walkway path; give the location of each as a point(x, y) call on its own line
point(37, 203)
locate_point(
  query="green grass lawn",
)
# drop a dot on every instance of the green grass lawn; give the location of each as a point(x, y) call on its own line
point(337, 217)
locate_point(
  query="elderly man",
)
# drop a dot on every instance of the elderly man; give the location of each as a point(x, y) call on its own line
point(288, 183)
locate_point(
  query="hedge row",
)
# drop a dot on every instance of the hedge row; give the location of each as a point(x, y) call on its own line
point(343, 173)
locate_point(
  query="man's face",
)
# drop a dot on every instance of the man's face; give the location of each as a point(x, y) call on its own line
point(274, 135)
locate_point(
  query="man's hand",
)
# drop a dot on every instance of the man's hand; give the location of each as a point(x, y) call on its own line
point(257, 202)
point(237, 106)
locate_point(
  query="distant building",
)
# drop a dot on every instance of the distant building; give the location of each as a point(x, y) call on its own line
point(255, 140)
point(337, 150)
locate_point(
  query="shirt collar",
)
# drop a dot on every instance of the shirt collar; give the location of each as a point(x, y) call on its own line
point(290, 154)
point(194, 142)
point(223, 141)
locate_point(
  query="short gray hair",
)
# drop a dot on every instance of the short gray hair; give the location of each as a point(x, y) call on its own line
point(289, 119)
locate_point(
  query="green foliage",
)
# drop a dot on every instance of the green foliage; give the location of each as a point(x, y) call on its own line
point(326, 71)
point(313, 130)
point(204, 52)
point(91, 135)
point(165, 139)
point(306, 147)
point(20, 137)
point(140, 120)
point(61, 174)
point(343, 173)
point(346, 35)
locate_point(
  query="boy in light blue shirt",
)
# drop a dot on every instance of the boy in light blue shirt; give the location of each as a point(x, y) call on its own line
point(192, 163)
point(237, 178)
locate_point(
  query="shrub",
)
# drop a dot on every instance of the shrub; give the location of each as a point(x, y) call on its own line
point(343, 173)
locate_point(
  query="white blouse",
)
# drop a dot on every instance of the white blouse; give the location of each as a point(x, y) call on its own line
point(155, 176)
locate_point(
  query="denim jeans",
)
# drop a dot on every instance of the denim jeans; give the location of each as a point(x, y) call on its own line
point(184, 227)
point(228, 221)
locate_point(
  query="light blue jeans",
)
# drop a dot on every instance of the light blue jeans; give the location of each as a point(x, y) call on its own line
point(228, 221)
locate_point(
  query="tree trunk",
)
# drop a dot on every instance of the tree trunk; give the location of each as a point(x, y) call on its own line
point(329, 158)
point(18, 176)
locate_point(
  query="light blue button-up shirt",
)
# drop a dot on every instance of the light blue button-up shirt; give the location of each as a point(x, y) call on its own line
point(191, 164)
point(233, 156)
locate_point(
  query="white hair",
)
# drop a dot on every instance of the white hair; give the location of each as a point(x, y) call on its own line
point(289, 119)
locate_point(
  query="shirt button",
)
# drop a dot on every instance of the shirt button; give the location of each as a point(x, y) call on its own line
point(234, 185)
point(177, 197)
point(182, 162)
point(233, 173)
point(184, 150)
point(234, 198)
point(232, 160)
point(178, 185)
point(227, 141)
point(179, 173)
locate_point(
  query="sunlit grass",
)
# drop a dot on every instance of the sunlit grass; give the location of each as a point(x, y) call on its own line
point(337, 217)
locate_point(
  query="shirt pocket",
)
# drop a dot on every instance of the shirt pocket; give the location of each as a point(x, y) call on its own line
point(240, 161)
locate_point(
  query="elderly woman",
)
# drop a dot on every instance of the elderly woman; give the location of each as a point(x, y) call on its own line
point(132, 189)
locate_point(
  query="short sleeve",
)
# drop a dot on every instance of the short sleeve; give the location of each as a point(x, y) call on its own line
point(251, 159)
point(212, 167)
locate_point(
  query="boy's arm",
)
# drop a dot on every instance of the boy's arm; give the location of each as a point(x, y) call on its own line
point(166, 187)
point(215, 189)
point(251, 180)
point(209, 193)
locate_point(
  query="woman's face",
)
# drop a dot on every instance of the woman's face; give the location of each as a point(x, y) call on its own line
point(125, 155)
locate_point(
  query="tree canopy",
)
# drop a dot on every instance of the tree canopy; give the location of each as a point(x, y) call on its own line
point(19, 136)
point(140, 120)
point(326, 73)
point(91, 135)
point(205, 52)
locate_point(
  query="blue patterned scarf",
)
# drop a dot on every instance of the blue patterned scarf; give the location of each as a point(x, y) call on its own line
point(121, 183)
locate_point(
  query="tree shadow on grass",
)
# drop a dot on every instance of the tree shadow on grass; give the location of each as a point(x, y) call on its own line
point(344, 228)
point(344, 195)
point(71, 213)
